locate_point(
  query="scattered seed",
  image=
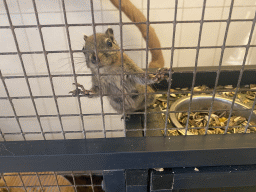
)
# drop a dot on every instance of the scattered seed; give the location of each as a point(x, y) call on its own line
point(253, 86)
point(228, 87)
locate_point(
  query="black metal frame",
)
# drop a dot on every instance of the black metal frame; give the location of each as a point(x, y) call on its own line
point(128, 153)
point(201, 155)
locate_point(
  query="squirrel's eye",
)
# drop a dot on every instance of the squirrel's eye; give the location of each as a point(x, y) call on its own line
point(109, 43)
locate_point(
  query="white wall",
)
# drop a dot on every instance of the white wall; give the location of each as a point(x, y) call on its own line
point(78, 12)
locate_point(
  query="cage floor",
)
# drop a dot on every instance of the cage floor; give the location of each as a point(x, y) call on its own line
point(80, 181)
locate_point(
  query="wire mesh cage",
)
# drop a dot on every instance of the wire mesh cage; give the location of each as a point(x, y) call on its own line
point(52, 181)
point(140, 69)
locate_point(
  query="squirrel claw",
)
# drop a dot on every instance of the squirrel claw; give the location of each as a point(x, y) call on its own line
point(126, 116)
point(75, 92)
point(161, 74)
point(80, 90)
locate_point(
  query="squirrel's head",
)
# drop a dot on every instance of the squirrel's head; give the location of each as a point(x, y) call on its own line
point(106, 48)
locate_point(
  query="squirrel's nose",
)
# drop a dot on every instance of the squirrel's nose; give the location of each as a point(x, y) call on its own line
point(93, 58)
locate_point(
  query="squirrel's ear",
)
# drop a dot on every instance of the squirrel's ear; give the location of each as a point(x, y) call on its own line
point(109, 32)
point(85, 37)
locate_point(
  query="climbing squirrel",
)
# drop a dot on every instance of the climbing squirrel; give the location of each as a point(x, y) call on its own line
point(107, 68)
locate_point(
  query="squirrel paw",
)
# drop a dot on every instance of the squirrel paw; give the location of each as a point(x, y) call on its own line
point(161, 74)
point(126, 116)
point(80, 90)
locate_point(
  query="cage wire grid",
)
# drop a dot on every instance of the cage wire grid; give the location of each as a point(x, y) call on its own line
point(33, 181)
point(70, 51)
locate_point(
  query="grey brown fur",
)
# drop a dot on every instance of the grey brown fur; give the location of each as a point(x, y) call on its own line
point(109, 62)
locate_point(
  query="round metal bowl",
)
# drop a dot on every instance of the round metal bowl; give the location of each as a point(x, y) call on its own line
point(203, 102)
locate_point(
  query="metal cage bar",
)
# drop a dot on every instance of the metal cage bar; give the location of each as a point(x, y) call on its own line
point(126, 23)
point(134, 49)
point(98, 76)
point(146, 70)
point(249, 119)
point(13, 108)
point(6, 186)
point(23, 68)
point(241, 71)
point(220, 62)
point(73, 178)
point(48, 67)
point(171, 66)
point(73, 65)
point(57, 182)
point(24, 187)
point(122, 62)
point(40, 184)
point(196, 62)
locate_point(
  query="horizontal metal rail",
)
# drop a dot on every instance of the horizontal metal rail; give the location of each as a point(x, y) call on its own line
point(125, 23)
point(128, 153)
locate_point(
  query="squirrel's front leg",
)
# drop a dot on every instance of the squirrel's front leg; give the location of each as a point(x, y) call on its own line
point(80, 90)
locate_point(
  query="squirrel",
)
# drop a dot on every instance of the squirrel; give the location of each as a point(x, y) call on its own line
point(109, 62)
